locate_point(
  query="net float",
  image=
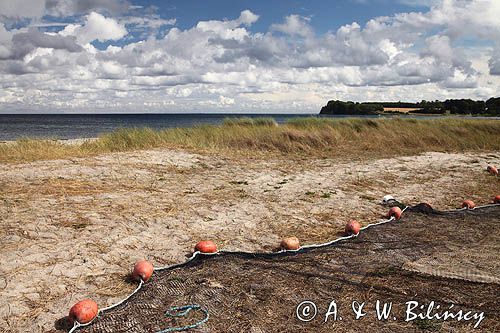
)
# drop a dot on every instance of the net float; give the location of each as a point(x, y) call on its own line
point(290, 243)
point(206, 246)
point(83, 312)
point(143, 270)
point(492, 169)
point(395, 212)
point(388, 198)
point(496, 199)
point(469, 204)
point(353, 227)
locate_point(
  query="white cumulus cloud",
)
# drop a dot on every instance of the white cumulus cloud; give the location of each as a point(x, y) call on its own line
point(96, 27)
point(225, 64)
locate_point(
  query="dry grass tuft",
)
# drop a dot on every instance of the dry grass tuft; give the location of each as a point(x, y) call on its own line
point(317, 137)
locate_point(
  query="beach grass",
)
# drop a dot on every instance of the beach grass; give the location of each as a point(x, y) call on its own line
point(320, 137)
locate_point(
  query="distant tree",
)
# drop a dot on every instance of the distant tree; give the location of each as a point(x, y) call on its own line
point(464, 106)
point(350, 108)
point(430, 107)
point(493, 106)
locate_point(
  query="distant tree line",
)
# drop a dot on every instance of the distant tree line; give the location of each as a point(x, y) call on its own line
point(451, 106)
point(461, 106)
point(351, 108)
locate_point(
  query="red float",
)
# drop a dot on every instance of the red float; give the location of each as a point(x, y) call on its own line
point(492, 169)
point(496, 199)
point(469, 204)
point(353, 227)
point(83, 312)
point(142, 270)
point(206, 246)
point(395, 212)
point(290, 243)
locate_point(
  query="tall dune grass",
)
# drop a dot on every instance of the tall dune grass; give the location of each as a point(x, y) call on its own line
point(247, 121)
point(303, 136)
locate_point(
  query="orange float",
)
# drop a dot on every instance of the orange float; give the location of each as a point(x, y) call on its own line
point(395, 212)
point(496, 199)
point(206, 246)
point(353, 227)
point(290, 243)
point(492, 169)
point(143, 270)
point(83, 312)
point(469, 204)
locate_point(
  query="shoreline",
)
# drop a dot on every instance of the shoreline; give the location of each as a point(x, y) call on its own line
point(77, 141)
point(297, 137)
point(281, 119)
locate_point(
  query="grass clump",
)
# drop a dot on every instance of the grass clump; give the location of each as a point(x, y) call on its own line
point(317, 137)
point(31, 150)
point(247, 121)
point(126, 139)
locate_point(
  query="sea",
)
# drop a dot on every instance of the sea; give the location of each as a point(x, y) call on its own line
point(66, 126)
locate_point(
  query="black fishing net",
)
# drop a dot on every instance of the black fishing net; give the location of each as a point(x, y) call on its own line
point(449, 258)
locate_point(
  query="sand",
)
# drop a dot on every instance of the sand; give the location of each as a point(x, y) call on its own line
point(72, 229)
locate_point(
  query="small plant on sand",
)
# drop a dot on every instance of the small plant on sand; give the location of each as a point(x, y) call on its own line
point(239, 182)
point(427, 325)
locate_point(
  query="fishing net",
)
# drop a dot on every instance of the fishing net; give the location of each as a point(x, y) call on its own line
point(446, 257)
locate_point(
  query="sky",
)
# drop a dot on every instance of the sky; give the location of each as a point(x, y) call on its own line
point(227, 56)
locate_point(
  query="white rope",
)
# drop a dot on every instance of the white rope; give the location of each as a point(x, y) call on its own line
point(123, 300)
point(346, 237)
point(465, 208)
point(188, 260)
point(77, 325)
point(487, 206)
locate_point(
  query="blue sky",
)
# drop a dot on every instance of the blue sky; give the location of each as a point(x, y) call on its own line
point(326, 15)
point(243, 56)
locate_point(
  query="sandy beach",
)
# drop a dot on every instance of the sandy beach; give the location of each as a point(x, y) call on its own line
point(72, 229)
